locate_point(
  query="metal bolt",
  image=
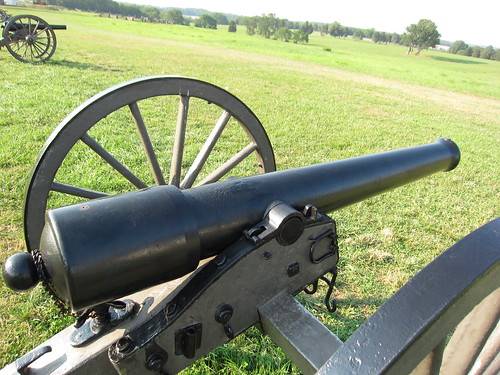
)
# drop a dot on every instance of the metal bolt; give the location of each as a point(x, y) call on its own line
point(224, 313)
point(310, 211)
point(220, 260)
point(124, 345)
point(171, 309)
point(155, 362)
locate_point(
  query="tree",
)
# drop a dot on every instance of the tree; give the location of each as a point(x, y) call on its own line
point(497, 54)
point(323, 29)
point(232, 27)
point(283, 34)
point(299, 36)
point(206, 21)
point(422, 35)
point(476, 51)
point(307, 28)
point(251, 24)
point(377, 37)
point(336, 29)
point(174, 17)
point(220, 18)
point(458, 46)
point(395, 38)
point(359, 34)
point(267, 25)
point(488, 53)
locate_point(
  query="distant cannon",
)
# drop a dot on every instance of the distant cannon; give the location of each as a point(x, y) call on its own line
point(28, 38)
point(261, 240)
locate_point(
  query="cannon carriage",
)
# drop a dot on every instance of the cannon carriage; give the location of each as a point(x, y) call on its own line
point(165, 273)
point(28, 38)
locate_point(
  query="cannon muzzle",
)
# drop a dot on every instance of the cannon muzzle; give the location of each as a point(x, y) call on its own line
point(107, 248)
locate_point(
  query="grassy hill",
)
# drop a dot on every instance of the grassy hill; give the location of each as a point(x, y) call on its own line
point(316, 105)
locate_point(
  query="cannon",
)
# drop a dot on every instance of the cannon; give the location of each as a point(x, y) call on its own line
point(161, 276)
point(28, 38)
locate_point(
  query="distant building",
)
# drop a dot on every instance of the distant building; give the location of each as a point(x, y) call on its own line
point(40, 2)
point(440, 47)
point(10, 2)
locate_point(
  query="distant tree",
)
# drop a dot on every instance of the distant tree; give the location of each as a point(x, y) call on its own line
point(377, 37)
point(458, 46)
point(369, 33)
point(497, 54)
point(220, 18)
point(488, 53)
point(336, 29)
point(299, 36)
point(465, 52)
point(206, 21)
point(422, 35)
point(250, 24)
point(395, 38)
point(307, 28)
point(323, 29)
point(267, 25)
point(232, 27)
point(283, 34)
point(151, 13)
point(359, 34)
point(386, 37)
point(476, 51)
point(174, 17)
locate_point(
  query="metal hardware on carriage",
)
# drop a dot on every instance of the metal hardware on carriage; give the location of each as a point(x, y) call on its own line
point(223, 298)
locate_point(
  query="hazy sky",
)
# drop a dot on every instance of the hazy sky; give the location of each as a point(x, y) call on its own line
point(475, 21)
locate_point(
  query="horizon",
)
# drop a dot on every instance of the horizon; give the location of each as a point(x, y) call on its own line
point(482, 16)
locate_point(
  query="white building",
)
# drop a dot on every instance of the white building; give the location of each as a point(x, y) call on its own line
point(440, 47)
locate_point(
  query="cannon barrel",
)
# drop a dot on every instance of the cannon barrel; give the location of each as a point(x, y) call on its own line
point(107, 248)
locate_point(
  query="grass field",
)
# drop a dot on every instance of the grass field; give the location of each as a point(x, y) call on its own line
point(316, 106)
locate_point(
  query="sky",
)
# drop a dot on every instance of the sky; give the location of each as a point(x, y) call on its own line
point(474, 21)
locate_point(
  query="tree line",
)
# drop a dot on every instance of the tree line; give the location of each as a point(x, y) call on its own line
point(269, 26)
point(417, 37)
point(142, 12)
point(459, 47)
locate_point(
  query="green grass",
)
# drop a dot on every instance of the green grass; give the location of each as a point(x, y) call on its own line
point(315, 105)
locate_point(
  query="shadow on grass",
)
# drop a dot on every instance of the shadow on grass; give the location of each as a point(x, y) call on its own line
point(82, 65)
point(456, 60)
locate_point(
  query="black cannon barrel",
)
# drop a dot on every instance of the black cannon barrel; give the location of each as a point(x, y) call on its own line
point(107, 248)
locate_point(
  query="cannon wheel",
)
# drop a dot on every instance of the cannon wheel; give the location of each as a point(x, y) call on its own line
point(444, 320)
point(3, 15)
point(29, 39)
point(74, 128)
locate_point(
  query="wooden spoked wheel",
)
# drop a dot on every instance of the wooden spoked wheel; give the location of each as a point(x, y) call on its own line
point(119, 141)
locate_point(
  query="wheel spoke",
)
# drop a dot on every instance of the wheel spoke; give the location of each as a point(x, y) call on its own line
point(230, 164)
point(146, 142)
point(37, 49)
point(110, 159)
point(41, 31)
point(77, 191)
point(205, 151)
point(180, 134)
